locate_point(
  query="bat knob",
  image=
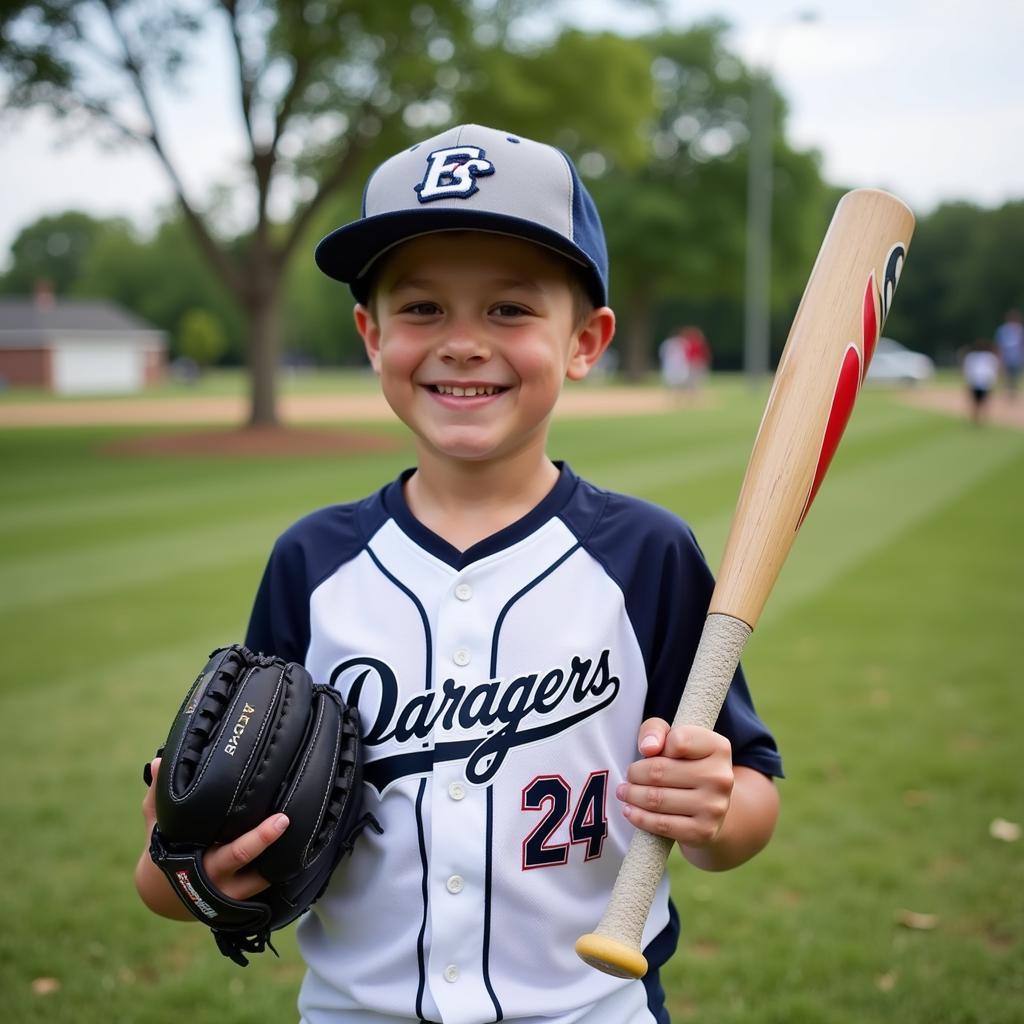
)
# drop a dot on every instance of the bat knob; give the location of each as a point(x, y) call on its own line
point(611, 956)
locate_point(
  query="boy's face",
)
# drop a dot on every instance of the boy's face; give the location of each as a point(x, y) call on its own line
point(472, 335)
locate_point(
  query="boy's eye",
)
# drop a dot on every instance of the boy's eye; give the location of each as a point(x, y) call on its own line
point(508, 309)
point(421, 308)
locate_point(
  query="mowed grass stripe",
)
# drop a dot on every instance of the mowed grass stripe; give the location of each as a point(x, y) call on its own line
point(50, 643)
point(872, 506)
point(178, 488)
point(31, 582)
point(863, 508)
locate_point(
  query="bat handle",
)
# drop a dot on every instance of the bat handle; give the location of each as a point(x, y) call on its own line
point(614, 946)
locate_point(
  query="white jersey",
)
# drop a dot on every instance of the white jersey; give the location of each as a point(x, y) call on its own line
point(500, 692)
point(981, 369)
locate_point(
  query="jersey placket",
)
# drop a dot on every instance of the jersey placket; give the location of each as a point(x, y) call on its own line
point(459, 837)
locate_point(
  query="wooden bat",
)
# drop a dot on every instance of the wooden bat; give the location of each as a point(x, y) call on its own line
point(827, 353)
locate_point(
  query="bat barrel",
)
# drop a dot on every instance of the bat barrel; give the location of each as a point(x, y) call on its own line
point(823, 364)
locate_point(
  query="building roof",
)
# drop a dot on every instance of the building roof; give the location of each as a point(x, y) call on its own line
point(29, 315)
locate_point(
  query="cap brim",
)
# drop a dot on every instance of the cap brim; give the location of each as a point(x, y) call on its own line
point(348, 253)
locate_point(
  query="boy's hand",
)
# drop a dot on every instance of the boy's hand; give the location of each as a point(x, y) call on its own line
point(683, 785)
point(227, 866)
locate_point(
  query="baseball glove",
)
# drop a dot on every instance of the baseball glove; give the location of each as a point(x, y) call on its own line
point(255, 736)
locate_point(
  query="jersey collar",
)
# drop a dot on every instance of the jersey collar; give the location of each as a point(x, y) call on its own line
point(549, 506)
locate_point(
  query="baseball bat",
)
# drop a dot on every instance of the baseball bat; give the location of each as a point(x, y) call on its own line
point(823, 364)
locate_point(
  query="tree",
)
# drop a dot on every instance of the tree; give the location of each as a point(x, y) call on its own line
point(325, 88)
point(201, 337)
point(53, 249)
point(321, 87)
point(962, 275)
point(677, 226)
point(159, 278)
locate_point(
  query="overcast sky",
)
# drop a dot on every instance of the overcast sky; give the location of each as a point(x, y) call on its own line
point(922, 97)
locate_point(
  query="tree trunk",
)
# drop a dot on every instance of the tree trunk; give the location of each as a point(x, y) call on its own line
point(263, 327)
point(637, 360)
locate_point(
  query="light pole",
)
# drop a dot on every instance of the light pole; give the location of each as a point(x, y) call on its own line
point(757, 308)
point(757, 282)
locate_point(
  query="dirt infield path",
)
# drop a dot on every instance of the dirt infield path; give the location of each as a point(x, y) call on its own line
point(342, 408)
point(1001, 409)
point(371, 408)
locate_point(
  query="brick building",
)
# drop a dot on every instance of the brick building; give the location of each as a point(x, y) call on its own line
point(77, 346)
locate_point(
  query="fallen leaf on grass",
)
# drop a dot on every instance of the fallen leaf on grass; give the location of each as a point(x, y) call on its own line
point(1007, 831)
point(45, 986)
point(917, 921)
point(886, 982)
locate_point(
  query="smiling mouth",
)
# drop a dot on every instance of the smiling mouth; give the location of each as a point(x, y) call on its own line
point(473, 391)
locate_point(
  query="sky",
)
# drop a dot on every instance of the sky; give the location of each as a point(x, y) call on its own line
point(924, 98)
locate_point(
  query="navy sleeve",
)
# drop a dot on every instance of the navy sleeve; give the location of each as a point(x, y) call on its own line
point(667, 585)
point(279, 623)
point(302, 558)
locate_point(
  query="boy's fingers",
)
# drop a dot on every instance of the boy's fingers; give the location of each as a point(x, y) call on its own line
point(692, 742)
point(246, 848)
point(652, 735)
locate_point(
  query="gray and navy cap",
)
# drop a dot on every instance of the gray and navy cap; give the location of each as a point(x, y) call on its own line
point(471, 178)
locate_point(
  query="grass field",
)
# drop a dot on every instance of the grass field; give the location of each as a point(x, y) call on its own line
point(887, 664)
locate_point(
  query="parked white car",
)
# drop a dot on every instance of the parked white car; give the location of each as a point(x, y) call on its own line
point(894, 363)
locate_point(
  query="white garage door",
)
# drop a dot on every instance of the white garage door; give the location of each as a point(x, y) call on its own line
point(97, 367)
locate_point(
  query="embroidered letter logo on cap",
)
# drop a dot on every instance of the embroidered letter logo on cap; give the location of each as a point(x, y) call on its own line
point(453, 172)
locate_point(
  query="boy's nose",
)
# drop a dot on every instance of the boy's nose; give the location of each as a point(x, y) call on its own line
point(462, 346)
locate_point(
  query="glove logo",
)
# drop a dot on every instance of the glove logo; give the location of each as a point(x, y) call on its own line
point(188, 889)
point(239, 728)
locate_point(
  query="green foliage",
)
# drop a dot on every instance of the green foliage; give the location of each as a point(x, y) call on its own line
point(324, 91)
point(886, 664)
point(317, 320)
point(676, 225)
point(54, 249)
point(584, 92)
point(161, 279)
point(962, 275)
point(658, 125)
point(201, 337)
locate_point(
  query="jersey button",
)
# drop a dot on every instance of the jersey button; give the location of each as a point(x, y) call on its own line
point(455, 884)
point(456, 790)
point(463, 591)
point(461, 657)
point(451, 973)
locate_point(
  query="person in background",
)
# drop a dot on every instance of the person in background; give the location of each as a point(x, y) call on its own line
point(980, 366)
point(1009, 339)
point(698, 355)
point(675, 369)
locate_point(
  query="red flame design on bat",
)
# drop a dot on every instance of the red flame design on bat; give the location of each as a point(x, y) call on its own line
point(851, 375)
point(870, 327)
point(855, 365)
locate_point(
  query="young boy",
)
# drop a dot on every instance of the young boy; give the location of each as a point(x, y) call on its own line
point(515, 639)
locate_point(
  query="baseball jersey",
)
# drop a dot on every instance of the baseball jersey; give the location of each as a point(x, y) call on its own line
point(500, 690)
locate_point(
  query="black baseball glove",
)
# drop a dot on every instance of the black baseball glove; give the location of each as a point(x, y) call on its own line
point(255, 736)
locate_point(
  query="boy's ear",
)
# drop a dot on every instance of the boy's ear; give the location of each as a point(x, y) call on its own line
point(591, 341)
point(368, 330)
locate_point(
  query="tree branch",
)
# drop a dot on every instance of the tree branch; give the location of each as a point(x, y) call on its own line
point(300, 76)
point(245, 82)
point(328, 185)
point(207, 244)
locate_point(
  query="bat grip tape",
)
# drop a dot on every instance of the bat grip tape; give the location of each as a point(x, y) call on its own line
point(614, 946)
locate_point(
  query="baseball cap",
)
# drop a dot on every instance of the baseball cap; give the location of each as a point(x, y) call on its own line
point(471, 178)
